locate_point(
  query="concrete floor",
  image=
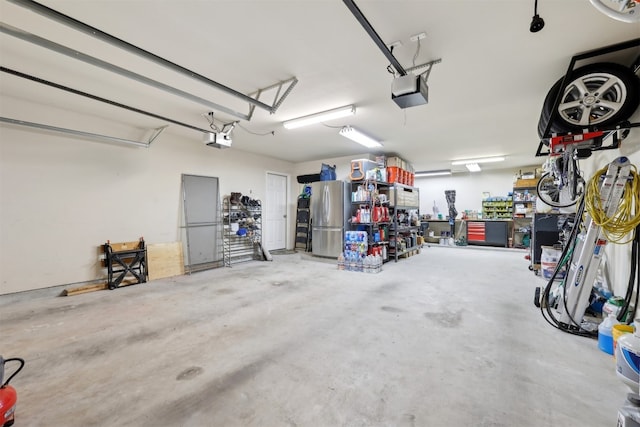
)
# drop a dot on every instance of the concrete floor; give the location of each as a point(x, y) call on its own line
point(449, 337)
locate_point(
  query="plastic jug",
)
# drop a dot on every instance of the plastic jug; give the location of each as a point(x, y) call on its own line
point(605, 334)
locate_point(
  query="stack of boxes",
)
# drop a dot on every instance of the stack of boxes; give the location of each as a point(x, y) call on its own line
point(393, 170)
point(400, 171)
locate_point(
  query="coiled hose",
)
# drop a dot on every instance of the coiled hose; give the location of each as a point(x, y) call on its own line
point(627, 215)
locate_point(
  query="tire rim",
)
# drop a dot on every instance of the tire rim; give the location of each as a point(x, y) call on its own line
point(592, 99)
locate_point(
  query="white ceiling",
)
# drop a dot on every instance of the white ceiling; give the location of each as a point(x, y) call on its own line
point(484, 97)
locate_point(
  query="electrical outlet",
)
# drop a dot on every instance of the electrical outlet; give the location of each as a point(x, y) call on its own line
point(418, 36)
point(395, 44)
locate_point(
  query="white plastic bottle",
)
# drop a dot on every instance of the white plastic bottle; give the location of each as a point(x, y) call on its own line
point(367, 264)
point(605, 334)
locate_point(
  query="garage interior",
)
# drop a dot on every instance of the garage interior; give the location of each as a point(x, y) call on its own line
point(100, 137)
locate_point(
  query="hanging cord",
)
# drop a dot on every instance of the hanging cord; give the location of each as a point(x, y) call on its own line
point(634, 274)
point(417, 53)
point(273, 132)
point(624, 221)
point(565, 260)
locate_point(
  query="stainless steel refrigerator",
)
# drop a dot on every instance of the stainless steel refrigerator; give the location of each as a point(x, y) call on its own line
point(330, 210)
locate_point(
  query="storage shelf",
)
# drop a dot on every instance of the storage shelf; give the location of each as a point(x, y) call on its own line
point(406, 251)
point(497, 209)
point(241, 248)
point(399, 197)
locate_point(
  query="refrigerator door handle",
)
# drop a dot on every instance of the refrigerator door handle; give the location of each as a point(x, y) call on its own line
point(326, 208)
point(326, 228)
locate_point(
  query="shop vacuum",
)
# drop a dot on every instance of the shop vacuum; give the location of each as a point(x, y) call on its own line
point(8, 394)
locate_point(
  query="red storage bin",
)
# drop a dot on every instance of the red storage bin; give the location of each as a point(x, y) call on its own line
point(392, 174)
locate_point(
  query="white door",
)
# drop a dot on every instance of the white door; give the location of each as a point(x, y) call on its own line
point(275, 227)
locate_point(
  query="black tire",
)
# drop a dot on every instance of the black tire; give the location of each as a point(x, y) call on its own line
point(616, 104)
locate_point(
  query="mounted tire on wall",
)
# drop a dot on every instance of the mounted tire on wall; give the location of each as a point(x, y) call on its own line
point(597, 95)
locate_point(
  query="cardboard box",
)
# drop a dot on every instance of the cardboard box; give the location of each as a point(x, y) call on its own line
point(404, 197)
point(522, 183)
point(394, 161)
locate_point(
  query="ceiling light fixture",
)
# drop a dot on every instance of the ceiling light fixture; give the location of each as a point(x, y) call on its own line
point(423, 174)
point(359, 137)
point(323, 116)
point(473, 167)
point(480, 160)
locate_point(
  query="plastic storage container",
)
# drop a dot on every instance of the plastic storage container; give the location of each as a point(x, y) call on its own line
point(548, 262)
point(619, 330)
point(628, 357)
point(605, 334)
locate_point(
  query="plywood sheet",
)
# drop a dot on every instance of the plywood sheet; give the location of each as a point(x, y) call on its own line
point(165, 260)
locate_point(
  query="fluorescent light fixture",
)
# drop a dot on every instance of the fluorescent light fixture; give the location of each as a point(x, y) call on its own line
point(481, 160)
point(473, 167)
point(336, 113)
point(442, 172)
point(359, 137)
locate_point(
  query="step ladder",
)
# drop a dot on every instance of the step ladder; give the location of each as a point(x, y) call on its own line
point(303, 224)
point(589, 247)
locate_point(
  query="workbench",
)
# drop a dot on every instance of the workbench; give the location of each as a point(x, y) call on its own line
point(489, 232)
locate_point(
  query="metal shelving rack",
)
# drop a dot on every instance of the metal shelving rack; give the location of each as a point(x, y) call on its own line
point(497, 209)
point(239, 248)
point(523, 221)
point(371, 226)
point(401, 229)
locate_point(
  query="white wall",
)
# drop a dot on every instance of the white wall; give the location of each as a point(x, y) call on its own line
point(61, 197)
point(469, 188)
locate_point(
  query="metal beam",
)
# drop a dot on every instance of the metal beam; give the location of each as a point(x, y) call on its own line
point(74, 132)
point(97, 98)
point(372, 33)
point(71, 53)
point(115, 41)
point(277, 99)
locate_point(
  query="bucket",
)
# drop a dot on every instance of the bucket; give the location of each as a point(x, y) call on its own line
point(392, 174)
point(617, 331)
point(628, 358)
point(548, 262)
